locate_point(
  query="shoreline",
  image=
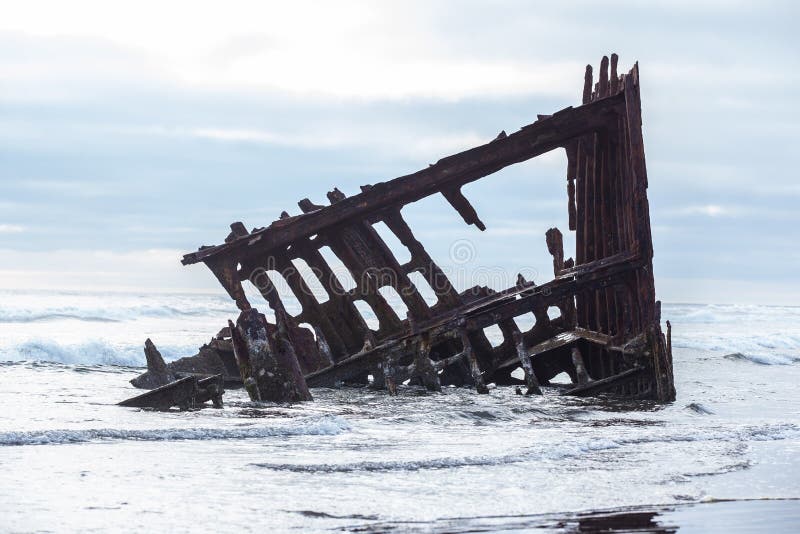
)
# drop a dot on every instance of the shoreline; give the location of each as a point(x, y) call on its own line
point(768, 514)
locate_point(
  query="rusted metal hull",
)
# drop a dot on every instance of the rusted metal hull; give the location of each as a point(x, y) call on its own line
point(608, 337)
point(189, 392)
point(215, 357)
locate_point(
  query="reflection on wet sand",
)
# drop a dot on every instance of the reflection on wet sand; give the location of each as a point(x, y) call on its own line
point(768, 515)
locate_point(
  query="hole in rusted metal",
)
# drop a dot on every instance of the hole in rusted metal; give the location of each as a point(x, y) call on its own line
point(367, 314)
point(287, 296)
point(525, 322)
point(393, 299)
point(311, 280)
point(423, 288)
point(398, 249)
point(494, 335)
point(341, 272)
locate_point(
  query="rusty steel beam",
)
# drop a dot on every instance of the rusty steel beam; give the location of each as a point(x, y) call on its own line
point(532, 140)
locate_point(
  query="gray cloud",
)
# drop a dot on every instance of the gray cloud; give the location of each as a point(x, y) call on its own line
point(106, 146)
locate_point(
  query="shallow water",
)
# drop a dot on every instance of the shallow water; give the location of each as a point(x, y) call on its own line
point(358, 459)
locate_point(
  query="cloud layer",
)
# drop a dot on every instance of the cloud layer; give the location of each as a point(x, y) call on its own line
point(138, 126)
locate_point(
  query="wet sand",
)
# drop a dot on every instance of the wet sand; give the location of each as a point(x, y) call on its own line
point(768, 515)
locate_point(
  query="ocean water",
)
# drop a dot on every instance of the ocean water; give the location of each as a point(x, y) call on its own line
point(70, 460)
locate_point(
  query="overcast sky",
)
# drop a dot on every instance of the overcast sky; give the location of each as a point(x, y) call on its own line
point(133, 132)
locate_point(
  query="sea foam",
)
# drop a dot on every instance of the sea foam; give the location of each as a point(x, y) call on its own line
point(318, 426)
point(552, 452)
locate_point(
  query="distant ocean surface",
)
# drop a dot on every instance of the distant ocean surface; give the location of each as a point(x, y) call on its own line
point(355, 459)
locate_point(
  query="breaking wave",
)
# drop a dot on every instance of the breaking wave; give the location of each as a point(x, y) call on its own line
point(131, 318)
point(322, 426)
point(772, 341)
point(113, 314)
point(728, 313)
point(699, 408)
point(29, 317)
point(765, 335)
point(92, 352)
point(763, 359)
point(94, 328)
point(763, 349)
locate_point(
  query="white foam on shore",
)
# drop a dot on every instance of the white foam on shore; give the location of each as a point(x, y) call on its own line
point(319, 426)
point(556, 452)
point(563, 451)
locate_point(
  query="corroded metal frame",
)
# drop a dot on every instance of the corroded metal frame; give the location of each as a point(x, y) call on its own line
point(608, 336)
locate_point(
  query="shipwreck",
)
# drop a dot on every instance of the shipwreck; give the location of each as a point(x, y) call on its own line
point(608, 337)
